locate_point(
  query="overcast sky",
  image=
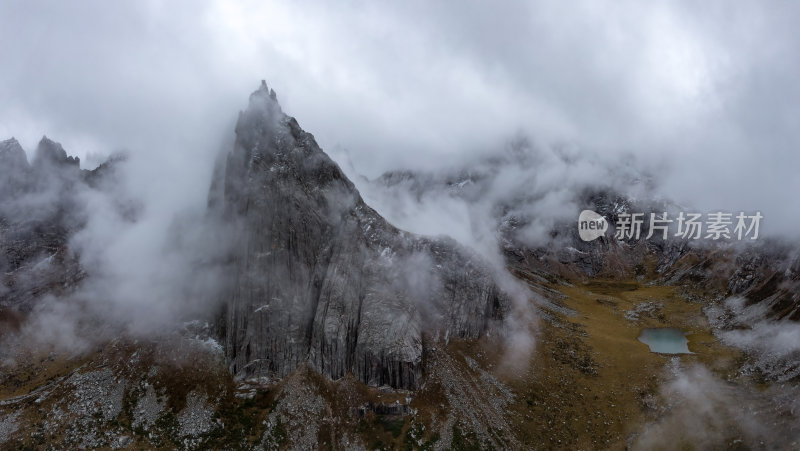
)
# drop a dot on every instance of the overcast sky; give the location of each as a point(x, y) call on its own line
point(708, 91)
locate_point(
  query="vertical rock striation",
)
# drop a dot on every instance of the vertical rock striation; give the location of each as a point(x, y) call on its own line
point(320, 277)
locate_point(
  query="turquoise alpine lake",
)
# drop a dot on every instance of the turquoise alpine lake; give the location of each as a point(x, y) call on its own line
point(668, 340)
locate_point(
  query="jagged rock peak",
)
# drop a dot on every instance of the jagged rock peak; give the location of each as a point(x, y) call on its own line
point(265, 89)
point(264, 92)
point(264, 95)
point(9, 143)
point(12, 155)
point(321, 278)
point(263, 113)
point(50, 152)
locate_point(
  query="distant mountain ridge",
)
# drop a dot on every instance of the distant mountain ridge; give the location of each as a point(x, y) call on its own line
point(39, 211)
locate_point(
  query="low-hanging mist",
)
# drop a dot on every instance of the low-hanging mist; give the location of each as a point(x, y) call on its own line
point(682, 87)
point(431, 245)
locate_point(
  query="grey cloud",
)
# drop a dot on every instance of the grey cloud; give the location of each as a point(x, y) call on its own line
point(706, 93)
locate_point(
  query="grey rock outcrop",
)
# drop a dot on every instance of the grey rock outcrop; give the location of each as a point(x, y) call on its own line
point(52, 153)
point(40, 209)
point(14, 168)
point(318, 276)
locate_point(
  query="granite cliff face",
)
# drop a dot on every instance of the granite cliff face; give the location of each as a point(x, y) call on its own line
point(318, 276)
point(39, 211)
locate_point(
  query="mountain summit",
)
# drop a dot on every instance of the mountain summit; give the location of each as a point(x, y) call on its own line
point(320, 277)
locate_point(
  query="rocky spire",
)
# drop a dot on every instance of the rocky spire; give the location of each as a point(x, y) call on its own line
point(14, 170)
point(52, 153)
point(12, 156)
point(319, 277)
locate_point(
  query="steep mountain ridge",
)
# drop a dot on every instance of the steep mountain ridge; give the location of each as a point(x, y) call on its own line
point(319, 276)
point(743, 286)
point(765, 272)
point(40, 209)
